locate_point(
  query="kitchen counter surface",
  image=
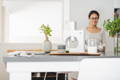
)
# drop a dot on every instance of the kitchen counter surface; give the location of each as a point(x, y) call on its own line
point(47, 58)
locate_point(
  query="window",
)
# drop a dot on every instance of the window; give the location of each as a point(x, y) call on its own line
point(24, 18)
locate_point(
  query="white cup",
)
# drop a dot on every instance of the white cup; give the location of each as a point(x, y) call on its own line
point(92, 49)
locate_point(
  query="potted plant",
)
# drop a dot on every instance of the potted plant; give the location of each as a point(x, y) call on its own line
point(47, 45)
point(112, 26)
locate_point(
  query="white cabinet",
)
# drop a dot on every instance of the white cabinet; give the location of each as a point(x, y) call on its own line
point(22, 70)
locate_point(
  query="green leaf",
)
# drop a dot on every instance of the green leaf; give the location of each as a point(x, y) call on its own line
point(112, 26)
point(46, 29)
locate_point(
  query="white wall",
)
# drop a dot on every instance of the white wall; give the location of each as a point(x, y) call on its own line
point(2, 67)
point(80, 9)
point(117, 3)
point(1, 21)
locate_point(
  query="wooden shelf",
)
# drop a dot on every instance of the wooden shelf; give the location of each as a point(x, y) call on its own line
point(77, 54)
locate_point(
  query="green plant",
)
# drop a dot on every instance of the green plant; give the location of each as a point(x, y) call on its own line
point(47, 30)
point(112, 26)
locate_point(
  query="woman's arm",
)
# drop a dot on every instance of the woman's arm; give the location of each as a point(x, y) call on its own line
point(102, 45)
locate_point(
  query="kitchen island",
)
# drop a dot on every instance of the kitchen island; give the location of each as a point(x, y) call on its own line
point(21, 68)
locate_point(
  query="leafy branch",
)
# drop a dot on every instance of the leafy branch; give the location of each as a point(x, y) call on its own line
point(112, 26)
point(46, 29)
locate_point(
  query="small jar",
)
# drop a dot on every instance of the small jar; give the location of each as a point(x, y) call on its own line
point(61, 48)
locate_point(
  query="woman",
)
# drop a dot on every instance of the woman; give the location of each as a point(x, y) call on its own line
point(93, 32)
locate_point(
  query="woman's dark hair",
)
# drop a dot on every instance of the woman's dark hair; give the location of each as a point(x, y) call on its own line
point(116, 9)
point(93, 12)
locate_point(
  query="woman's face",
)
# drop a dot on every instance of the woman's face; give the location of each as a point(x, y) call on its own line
point(94, 19)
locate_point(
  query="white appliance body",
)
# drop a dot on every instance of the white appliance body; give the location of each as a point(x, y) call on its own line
point(79, 35)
